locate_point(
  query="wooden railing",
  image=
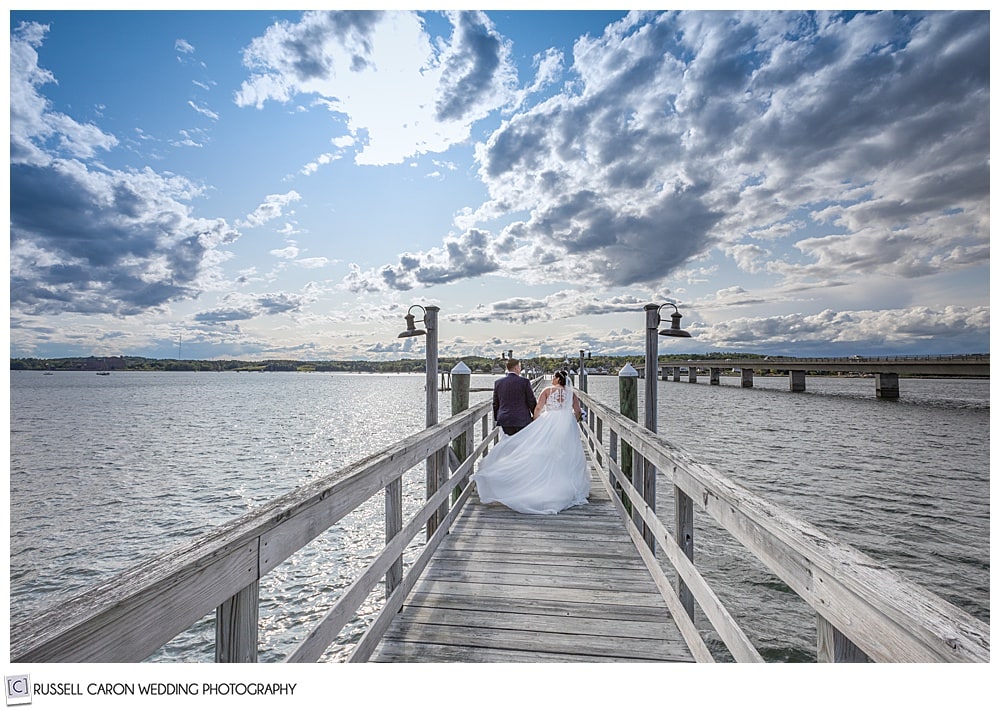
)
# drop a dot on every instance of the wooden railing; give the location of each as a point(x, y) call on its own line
point(864, 611)
point(133, 614)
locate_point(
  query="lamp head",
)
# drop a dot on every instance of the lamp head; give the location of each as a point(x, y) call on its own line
point(674, 330)
point(411, 326)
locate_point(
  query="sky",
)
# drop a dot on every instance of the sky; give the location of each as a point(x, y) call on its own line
point(260, 184)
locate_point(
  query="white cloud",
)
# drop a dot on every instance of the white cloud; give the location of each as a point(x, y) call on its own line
point(204, 111)
point(272, 208)
point(33, 124)
point(358, 61)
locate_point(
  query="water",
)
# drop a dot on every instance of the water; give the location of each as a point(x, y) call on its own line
point(905, 481)
point(106, 471)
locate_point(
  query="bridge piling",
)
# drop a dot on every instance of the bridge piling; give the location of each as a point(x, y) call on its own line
point(887, 385)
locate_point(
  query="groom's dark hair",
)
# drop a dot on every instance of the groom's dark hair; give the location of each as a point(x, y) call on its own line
point(512, 363)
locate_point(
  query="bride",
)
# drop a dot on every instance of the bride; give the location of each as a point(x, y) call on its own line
point(541, 469)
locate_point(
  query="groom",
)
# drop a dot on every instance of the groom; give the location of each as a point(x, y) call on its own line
point(513, 400)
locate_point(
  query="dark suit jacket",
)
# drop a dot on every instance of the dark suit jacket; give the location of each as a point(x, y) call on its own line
point(513, 400)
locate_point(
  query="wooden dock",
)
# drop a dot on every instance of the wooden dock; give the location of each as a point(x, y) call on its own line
point(491, 585)
point(507, 587)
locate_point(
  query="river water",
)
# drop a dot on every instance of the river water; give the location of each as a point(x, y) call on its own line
point(106, 471)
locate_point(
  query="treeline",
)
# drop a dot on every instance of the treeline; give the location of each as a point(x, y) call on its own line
point(597, 364)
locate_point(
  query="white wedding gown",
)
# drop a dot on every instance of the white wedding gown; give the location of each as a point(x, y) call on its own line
point(542, 468)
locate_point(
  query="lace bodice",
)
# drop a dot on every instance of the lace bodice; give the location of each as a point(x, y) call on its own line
point(558, 400)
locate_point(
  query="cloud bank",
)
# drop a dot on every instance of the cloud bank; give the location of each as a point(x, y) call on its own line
point(85, 238)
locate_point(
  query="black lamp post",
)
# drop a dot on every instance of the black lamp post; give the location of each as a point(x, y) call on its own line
point(684, 509)
point(652, 323)
point(652, 356)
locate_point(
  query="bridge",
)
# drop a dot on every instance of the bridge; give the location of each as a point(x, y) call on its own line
point(603, 582)
point(887, 370)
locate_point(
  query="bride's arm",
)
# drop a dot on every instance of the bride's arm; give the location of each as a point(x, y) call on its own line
point(541, 403)
point(577, 412)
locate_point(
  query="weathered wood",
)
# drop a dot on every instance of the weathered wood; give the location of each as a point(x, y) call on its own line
point(684, 535)
point(833, 647)
point(130, 616)
point(493, 585)
point(320, 638)
point(887, 617)
point(512, 587)
point(722, 621)
point(648, 481)
point(134, 613)
point(236, 627)
point(628, 405)
point(393, 524)
point(405, 651)
point(371, 638)
point(461, 377)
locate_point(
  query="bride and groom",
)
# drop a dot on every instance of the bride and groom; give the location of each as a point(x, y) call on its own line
point(538, 466)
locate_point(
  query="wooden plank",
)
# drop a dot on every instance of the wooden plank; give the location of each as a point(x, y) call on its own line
point(553, 559)
point(722, 621)
point(499, 604)
point(371, 638)
point(236, 627)
point(639, 649)
point(131, 615)
point(134, 613)
point(404, 651)
point(887, 617)
point(535, 576)
point(506, 587)
point(517, 620)
point(320, 638)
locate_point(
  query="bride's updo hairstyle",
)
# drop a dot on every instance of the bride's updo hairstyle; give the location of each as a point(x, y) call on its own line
point(560, 377)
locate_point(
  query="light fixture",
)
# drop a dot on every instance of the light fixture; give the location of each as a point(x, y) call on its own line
point(411, 327)
point(674, 330)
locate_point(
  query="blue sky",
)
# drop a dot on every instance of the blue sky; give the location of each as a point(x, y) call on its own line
point(259, 184)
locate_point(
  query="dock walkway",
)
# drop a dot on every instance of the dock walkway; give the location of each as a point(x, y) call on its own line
point(508, 587)
point(492, 585)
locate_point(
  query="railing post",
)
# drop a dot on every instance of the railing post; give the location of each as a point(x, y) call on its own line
point(393, 524)
point(461, 377)
point(684, 535)
point(236, 626)
point(833, 647)
point(628, 403)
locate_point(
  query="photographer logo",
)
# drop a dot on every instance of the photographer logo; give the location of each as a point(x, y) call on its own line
point(18, 689)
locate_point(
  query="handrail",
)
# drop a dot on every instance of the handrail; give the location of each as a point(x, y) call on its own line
point(319, 639)
point(131, 615)
point(883, 614)
point(722, 621)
